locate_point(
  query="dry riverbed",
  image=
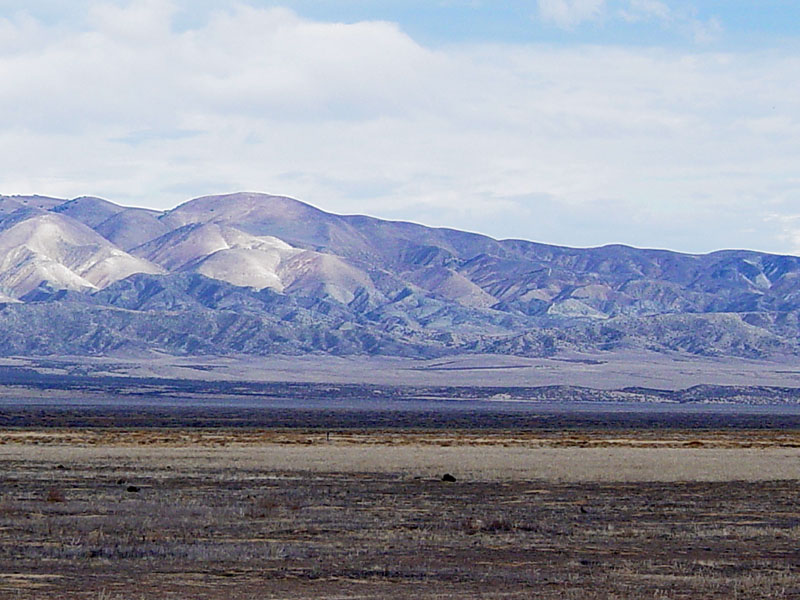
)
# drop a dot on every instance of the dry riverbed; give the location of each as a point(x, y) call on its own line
point(218, 514)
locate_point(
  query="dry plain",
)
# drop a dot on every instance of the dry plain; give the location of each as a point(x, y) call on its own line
point(256, 513)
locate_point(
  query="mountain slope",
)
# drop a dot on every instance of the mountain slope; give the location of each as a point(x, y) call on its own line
point(9, 204)
point(229, 254)
point(39, 247)
point(88, 210)
point(132, 227)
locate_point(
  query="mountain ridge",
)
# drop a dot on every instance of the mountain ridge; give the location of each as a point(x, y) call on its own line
point(260, 274)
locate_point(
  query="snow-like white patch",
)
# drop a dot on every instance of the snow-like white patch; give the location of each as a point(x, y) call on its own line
point(193, 243)
point(53, 249)
point(226, 253)
point(243, 267)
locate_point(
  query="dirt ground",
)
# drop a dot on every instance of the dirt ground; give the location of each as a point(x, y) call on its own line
point(240, 514)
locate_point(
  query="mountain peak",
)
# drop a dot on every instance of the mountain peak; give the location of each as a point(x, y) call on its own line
point(238, 207)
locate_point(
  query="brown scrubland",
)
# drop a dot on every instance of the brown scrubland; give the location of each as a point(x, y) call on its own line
point(258, 513)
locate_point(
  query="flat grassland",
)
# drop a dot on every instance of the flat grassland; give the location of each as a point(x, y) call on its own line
point(255, 513)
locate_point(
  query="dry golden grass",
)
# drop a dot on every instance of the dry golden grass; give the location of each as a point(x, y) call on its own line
point(587, 457)
point(217, 437)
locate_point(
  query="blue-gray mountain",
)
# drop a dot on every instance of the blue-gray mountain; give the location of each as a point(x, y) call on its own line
point(252, 273)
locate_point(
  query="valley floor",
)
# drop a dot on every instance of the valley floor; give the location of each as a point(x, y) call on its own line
point(250, 513)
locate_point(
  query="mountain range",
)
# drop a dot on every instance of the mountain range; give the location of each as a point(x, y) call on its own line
point(251, 273)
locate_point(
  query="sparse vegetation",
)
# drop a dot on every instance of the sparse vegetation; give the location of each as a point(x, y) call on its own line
point(213, 521)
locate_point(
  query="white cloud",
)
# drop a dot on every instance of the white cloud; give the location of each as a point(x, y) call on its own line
point(580, 145)
point(642, 10)
point(705, 32)
point(789, 230)
point(568, 13)
point(144, 20)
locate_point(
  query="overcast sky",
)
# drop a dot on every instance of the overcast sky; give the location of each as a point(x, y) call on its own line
point(578, 122)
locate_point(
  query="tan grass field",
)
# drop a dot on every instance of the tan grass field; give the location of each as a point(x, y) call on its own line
point(675, 456)
point(484, 456)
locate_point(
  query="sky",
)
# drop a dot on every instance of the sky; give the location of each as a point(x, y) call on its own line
point(653, 123)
